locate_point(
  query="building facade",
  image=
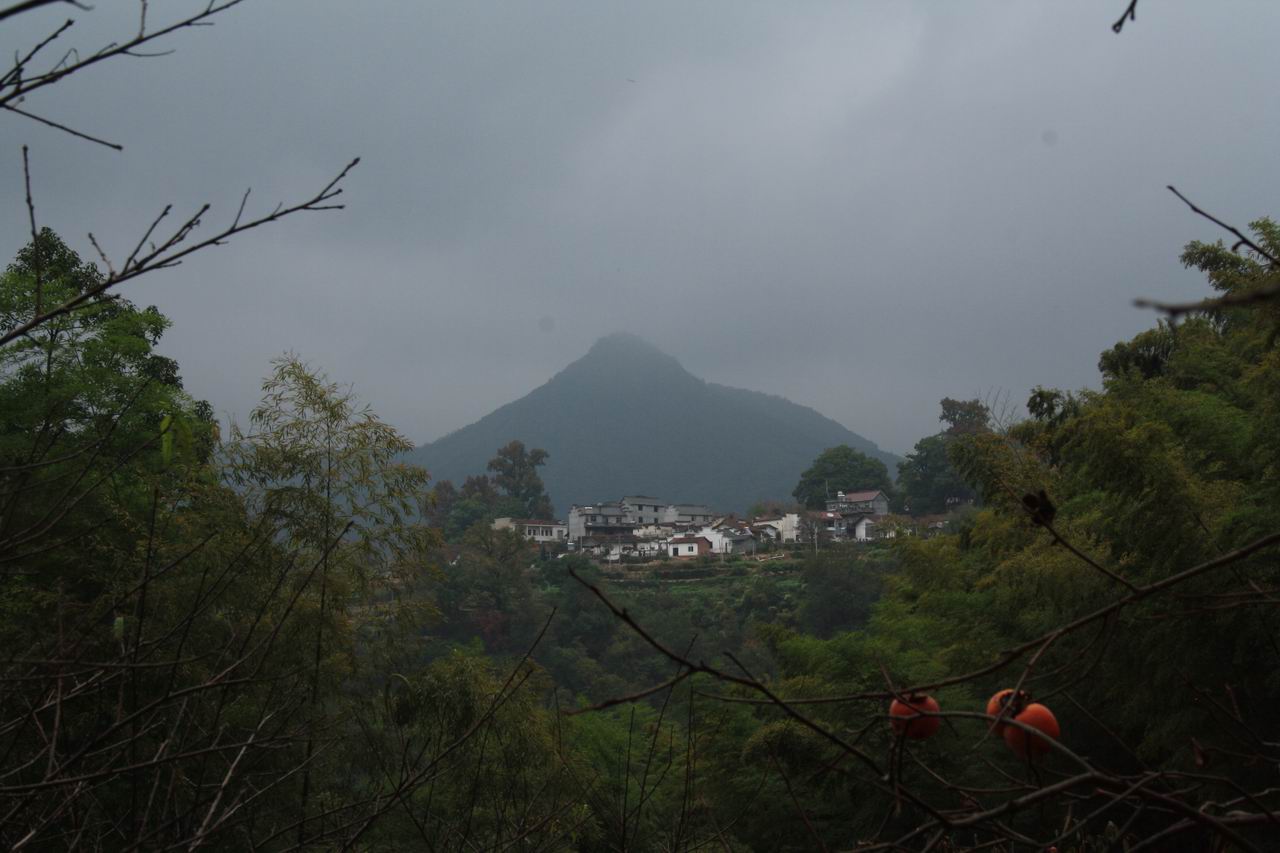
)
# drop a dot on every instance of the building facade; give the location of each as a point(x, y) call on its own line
point(535, 530)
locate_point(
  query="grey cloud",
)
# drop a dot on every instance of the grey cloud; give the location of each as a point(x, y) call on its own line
point(863, 207)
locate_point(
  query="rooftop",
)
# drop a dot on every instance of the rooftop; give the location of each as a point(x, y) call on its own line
point(860, 496)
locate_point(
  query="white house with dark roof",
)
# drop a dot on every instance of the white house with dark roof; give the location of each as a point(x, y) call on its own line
point(686, 547)
point(683, 514)
point(534, 529)
point(727, 539)
point(642, 509)
point(873, 502)
point(602, 519)
point(783, 528)
point(635, 515)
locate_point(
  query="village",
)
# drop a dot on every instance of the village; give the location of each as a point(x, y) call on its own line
point(641, 528)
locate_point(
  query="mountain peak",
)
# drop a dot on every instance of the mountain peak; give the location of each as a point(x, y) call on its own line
point(624, 358)
point(625, 344)
point(627, 418)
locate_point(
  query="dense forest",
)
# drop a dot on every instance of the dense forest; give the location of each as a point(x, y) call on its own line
point(267, 636)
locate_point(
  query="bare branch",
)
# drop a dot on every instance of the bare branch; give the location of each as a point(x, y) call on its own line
point(1231, 300)
point(35, 237)
point(18, 88)
point(1241, 239)
point(28, 5)
point(168, 255)
point(56, 126)
point(15, 73)
point(632, 697)
point(1130, 14)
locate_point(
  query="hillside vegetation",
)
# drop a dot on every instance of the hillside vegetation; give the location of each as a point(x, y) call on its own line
point(251, 640)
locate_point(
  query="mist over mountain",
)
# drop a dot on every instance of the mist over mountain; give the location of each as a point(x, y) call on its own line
point(628, 419)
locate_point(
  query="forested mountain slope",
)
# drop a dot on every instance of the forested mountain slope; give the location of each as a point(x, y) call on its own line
point(627, 418)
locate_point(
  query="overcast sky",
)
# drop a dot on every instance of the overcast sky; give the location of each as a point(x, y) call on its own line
point(861, 206)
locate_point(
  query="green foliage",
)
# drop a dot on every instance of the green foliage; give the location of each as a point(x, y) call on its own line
point(515, 491)
point(927, 480)
point(515, 472)
point(840, 469)
point(88, 421)
point(964, 417)
point(1147, 354)
point(499, 775)
point(126, 554)
point(329, 476)
point(840, 586)
point(1233, 273)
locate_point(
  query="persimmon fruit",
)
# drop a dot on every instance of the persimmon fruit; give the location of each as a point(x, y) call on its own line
point(1027, 744)
point(1013, 700)
point(906, 721)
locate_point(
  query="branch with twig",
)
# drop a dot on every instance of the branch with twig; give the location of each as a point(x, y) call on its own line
point(1247, 298)
point(1130, 14)
point(175, 248)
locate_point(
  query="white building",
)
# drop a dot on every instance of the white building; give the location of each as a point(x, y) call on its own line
point(642, 509)
point(873, 502)
point(685, 514)
point(687, 547)
point(602, 519)
point(634, 515)
point(727, 540)
point(784, 528)
point(535, 530)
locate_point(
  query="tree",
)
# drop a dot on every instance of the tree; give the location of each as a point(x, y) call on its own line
point(840, 469)
point(443, 497)
point(326, 474)
point(86, 403)
point(927, 479)
point(190, 604)
point(487, 591)
point(840, 588)
point(516, 474)
point(477, 501)
point(478, 487)
point(964, 417)
point(315, 461)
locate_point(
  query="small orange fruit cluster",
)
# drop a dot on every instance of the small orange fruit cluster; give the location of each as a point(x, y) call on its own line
point(912, 716)
point(1017, 706)
point(907, 720)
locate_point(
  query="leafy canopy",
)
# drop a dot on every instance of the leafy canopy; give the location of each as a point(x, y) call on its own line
point(840, 469)
point(515, 472)
point(927, 478)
